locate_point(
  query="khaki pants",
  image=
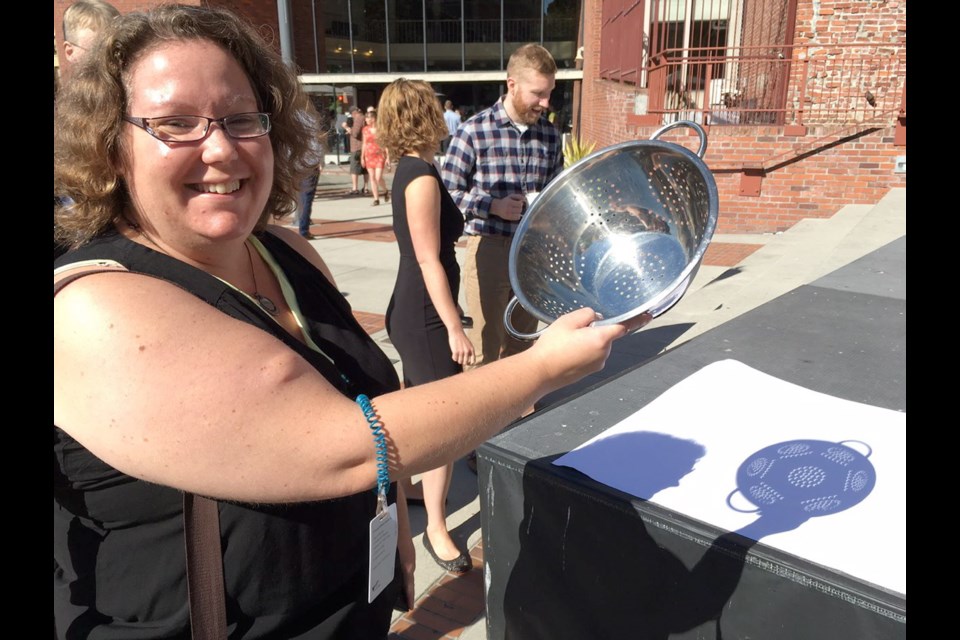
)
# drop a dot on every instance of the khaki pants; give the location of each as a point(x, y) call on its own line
point(486, 285)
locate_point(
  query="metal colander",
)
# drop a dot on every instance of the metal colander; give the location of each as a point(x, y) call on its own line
point(622, 231)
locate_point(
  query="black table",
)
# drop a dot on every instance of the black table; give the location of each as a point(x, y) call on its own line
point(568, 557)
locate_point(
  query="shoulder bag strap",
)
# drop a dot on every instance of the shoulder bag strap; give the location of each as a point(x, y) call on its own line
point(67, 274)
point(201, 528)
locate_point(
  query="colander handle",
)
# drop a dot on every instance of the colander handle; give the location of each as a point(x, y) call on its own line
point(869, 449)
point(685, 123)
point(509, 325)
point(735, 507)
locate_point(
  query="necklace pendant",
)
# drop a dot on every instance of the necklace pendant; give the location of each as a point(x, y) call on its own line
point(266, 303)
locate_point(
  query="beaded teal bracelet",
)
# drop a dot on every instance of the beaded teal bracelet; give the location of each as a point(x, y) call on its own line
point(380, 440)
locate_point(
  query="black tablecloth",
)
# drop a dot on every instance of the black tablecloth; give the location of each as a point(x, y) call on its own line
point(568, 557)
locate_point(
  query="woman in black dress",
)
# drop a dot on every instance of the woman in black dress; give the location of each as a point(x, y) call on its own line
point(423, 319)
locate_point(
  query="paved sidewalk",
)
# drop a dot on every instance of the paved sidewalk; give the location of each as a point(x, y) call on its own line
point(739, 272)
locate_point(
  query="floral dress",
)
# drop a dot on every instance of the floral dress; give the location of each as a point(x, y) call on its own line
point(373, 155)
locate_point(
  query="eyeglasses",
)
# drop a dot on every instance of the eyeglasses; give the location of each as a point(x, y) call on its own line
point(193, 128)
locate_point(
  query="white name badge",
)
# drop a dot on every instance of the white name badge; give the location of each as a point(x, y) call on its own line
point(383, 551)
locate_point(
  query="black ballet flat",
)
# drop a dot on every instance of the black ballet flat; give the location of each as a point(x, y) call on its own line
point(461, 564)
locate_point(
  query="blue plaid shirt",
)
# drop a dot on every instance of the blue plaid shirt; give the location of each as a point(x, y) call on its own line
point(489, 158)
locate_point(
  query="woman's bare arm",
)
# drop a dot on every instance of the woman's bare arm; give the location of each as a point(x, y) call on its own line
point(166, 388)
point(422, 198)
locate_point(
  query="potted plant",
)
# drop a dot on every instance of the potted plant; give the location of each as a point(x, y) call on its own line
point(574, 150)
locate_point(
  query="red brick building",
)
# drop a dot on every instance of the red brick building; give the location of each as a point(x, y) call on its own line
point(804, 101)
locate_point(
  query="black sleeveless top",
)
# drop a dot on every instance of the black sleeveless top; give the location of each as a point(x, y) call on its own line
point(290, 570)
point(409, 169)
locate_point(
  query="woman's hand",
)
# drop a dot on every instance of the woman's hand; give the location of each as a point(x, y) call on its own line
point(461, 349)
point(635, 324)
point(571, 348)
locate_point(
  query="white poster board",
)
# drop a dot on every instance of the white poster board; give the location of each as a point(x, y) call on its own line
point(813, 475)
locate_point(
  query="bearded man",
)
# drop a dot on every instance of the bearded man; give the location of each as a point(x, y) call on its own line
point(497, 162)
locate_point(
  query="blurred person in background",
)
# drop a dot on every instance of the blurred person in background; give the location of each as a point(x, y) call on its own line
point(308, 188)
point(373, 158)
point(354, 128)
point(451, 119)
point(82, 23)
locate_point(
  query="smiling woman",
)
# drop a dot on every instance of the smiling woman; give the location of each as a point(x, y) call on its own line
point(206, 352)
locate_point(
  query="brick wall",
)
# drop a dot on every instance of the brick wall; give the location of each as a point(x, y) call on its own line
point(876, 23)
point(302, 25)
point(813, 176)
point(262, 15)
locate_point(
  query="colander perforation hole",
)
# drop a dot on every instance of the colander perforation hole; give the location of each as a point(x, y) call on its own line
point(822, 504)
point(856, 481)
point(765, 494)
point(840, 456)
point(806, 476)
point(794, 449)
point(756, 466)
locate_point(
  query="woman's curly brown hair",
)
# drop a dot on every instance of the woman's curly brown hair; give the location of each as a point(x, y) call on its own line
point(409, 118)
point(89, 193)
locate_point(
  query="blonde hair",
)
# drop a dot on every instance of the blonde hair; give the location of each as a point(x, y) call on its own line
point(87, 14)
point(410, 118)
point(532, 57)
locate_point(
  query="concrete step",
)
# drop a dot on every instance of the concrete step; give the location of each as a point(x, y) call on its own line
point(886, 222)
point(807, 251)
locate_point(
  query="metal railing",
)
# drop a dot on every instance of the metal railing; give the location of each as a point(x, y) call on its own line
point(802, 85)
